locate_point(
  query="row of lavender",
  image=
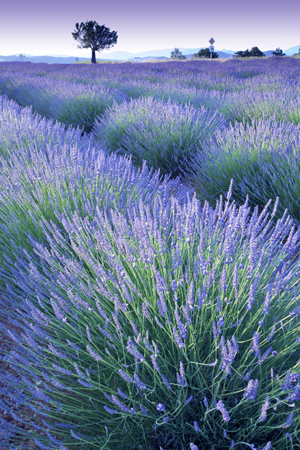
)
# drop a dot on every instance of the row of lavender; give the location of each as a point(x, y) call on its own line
point(78, 94)
point(173, 320)
point(143, 111)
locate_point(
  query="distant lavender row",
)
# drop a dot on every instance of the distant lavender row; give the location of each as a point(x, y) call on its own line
point(239, 89)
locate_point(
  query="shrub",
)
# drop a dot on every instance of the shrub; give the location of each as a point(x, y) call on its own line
point(163, 134)
point(167, 332)
point(261, 158)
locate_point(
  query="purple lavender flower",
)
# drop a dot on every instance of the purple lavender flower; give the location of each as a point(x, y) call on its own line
point(157, 321)
point(187, 315)
point(177, 338)
point(122, 393)
point(160, 407)
point(223, 285)
point(251, 390)
point(193, 446)
point(289, 421)
point(155, 365)
point(166, 381)
point(220, 322)
point(270, 337)
point(145, 311)
point(251, 296)
point(197, 429)
point(125, 376)
point(42, 446)
point(84, 383)
point(220, 406)
point(135, 353)
point(267, 446)
point(267, 303)
point(213, 364)
point(188, 400)
point(143, 410)
point(255, 342)
point(75, 435)
point(265, 355)
point(190, 298)
point(215, 331)
point(62, 370)
point(89, 334)
point(94, 354)
point(138, 382)
point(180, 325)
point(264, 408)
point(109, 410)
point(119, 404)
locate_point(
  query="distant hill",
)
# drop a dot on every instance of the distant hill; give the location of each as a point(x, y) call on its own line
point(127, 56)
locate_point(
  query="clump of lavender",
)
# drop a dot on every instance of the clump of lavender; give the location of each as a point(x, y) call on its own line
point(163, 134)
point(66, 174)
point(262, 159)
point(165, 333)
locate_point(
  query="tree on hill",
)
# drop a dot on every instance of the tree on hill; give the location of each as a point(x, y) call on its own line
point(256, 52)
point(176, 54)
point(246, 54)
point(278, 52)
point(91, 35)
point(204, 52)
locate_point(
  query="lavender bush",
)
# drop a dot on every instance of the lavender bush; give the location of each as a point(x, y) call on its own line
point(69, 103)
point(248, 105)
point(261, 158)
point(162, 134)
point(166, 326)
point(65, 173)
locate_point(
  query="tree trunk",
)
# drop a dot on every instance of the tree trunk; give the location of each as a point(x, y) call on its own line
point(93, 57)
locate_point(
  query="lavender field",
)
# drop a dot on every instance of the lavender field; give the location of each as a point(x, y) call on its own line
point(150, 255)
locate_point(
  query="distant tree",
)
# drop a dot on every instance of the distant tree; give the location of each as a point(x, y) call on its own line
point(278, 52)
point(256, 52)
point(21, 57)
point(295, 54)
point(176, 54)
point(242, 54)
point(91, 35)
point(246, 54)
point(204, 52)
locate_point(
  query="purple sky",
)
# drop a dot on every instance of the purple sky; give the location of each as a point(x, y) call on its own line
point(44, 28)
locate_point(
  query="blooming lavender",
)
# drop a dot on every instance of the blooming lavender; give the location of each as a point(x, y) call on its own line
point(137, 302)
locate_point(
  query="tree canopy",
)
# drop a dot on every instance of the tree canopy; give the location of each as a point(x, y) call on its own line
point(253, 52)
point(278, 52)
point(91, 35)
point(205, 52)
point(176, 54)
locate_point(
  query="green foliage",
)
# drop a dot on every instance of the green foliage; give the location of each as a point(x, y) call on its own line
point(278, 52)
point(253, 52)
point(204, 52)
point(176, 54)
point(91, 35)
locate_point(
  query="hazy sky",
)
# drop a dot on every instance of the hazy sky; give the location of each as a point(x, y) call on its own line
point(44, 28)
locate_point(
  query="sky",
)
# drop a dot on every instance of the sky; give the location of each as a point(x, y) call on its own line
point(44, 28)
